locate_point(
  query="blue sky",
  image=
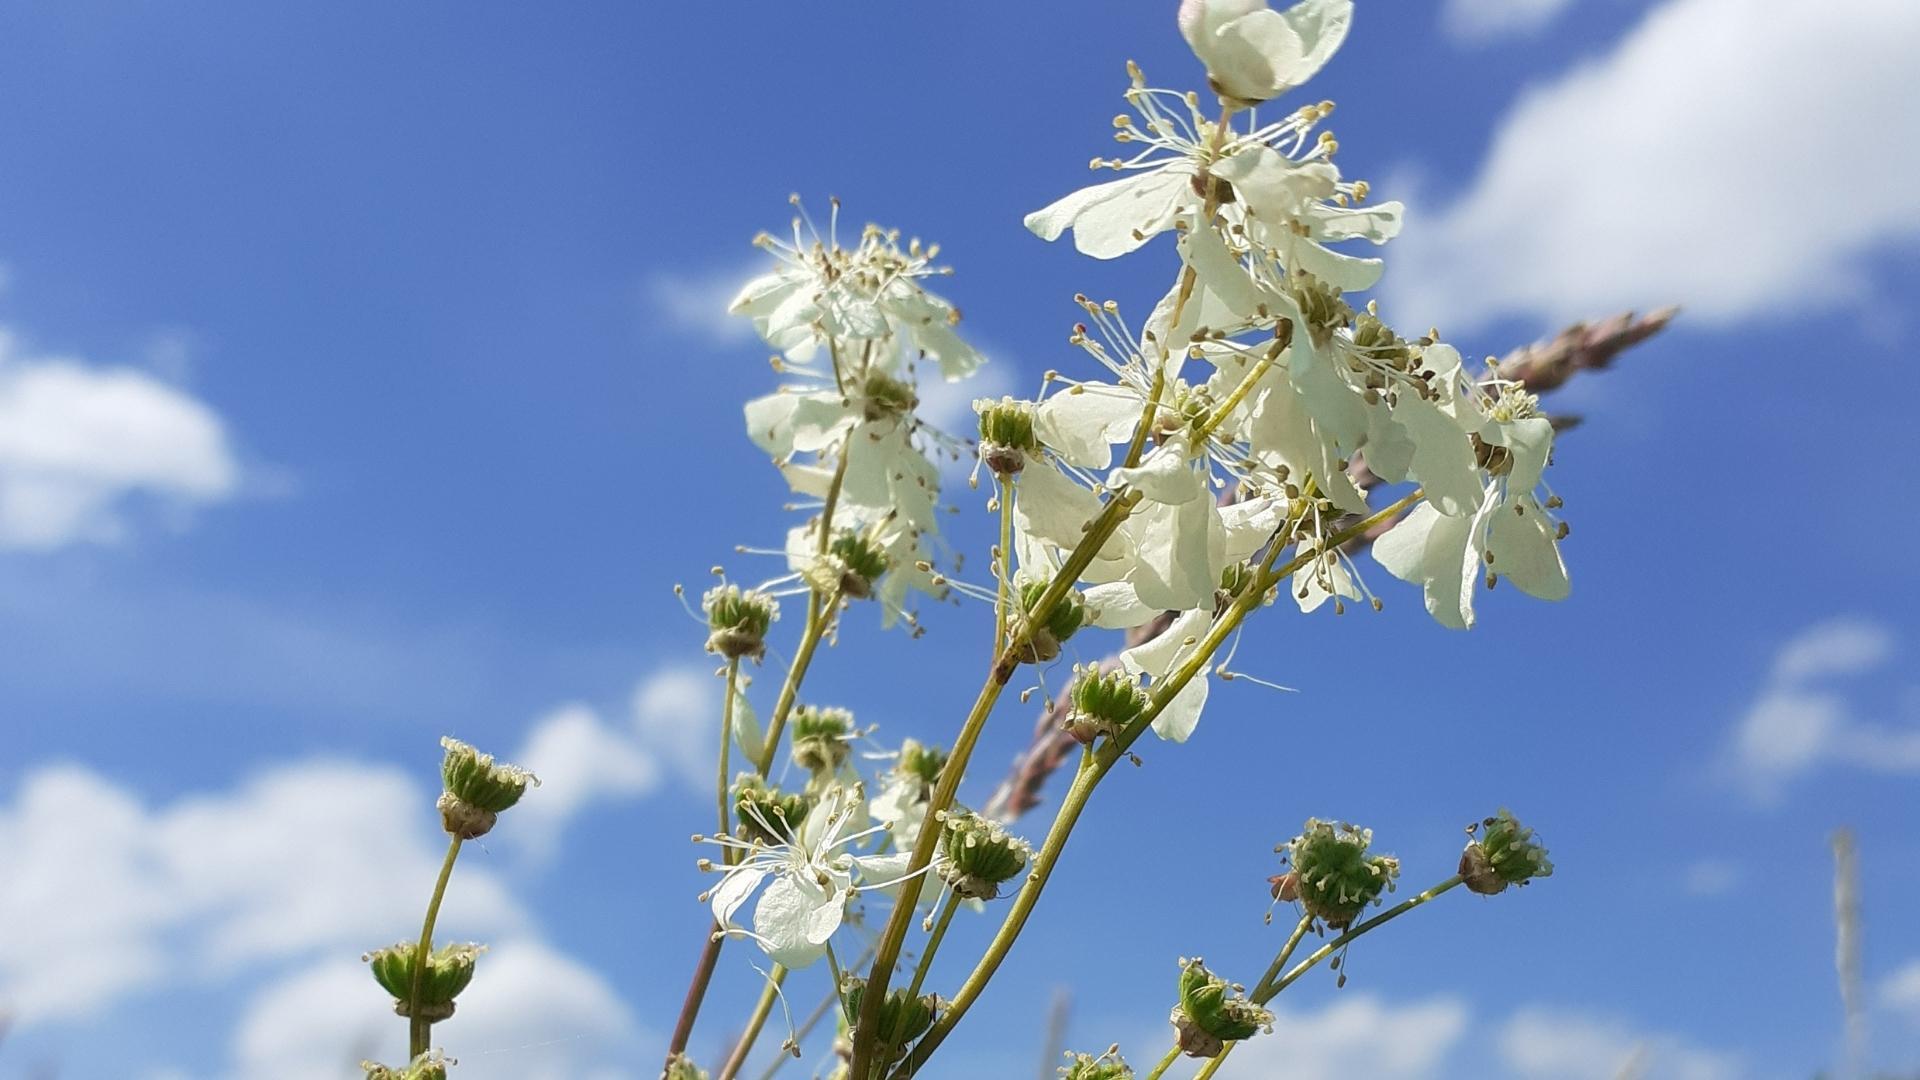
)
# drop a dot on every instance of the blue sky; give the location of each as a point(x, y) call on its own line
point(363, 379)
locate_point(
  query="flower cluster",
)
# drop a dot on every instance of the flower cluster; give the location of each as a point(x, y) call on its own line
point(1504, 854)
point(1213, 1012)
point(1334, 876)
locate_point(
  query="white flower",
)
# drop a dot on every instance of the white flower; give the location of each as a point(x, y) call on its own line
point(1512, 535)
point(869, 296)
point(1157, 659)
point(809, 876)
point(1254, 53)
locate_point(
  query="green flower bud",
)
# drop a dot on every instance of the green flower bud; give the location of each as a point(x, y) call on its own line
point(885, 396)
point(1065, 620)
point(1006, 434)
point(764, 813)
point(449, 970)
point(1505, 854)
point(921, 763)
point(477, 789)
point(1334, 876)
point(737, 621)
point(860, 561)
point(902, 1019)
point(977, 856)
point(1213, 1013)
point(1108, 1066)
point(1104, 703)
point(428, 1066)
point(1320, 304)
point(822, 738)
point(680, 1067)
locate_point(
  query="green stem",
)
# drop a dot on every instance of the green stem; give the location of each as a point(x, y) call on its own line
point(1286, 953)
point(920, 970)
point(887, 952)
point(726, 749)
point(1213, 1065)
point(813, 1019)
point(1336, 944)
point(758, 1020)
point(420, 1031)
point(1095, 767)
point(819, 616)
point(1165, 1064)
point(1003, 566)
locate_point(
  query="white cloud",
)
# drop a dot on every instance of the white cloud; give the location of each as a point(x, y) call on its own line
point(122, 897)
point(1476, 21)
point(676, 713)
point(531, 1014)
point(1900, 991)
point(696, 304)
point(1734, 156)
point(1802, 719)
point(78, 440)
point(1556, 1044)
point(1359, 1035)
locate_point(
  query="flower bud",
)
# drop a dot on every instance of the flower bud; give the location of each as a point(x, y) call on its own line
point(859, 561)
point(1334, 875)
point(428, 1066)
point(680, 1067)
point(1108, 1066)
point(921, 763)
point(977, 856)
point(1212, 1013)
point(765, 814)
point(477, 789)
point(1006, 434)
point(1505, 854)
point(822, 738)
point(902, 1019)
point(1104, 703)
point(449, 970)
point(737, 620)
point(1061, 623)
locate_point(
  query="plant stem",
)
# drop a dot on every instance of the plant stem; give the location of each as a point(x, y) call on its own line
point(952, 904)
point(1286, 953)
point(813, 1019)
point(420, 1031)
point(1213, 1064)
point(696, 990)
point(887, 952)
point(755, 1022)
point(1003, 566)
point(1331, 947)
point(819, 615)
point(1165, 1064)
point(1095, 766)
point(726, 748)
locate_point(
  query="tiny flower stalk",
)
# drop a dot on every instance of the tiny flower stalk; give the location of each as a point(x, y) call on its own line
point(477, 790)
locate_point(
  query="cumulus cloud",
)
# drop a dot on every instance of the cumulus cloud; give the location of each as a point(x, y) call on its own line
point(1558, 1044)
point(1476, 21)
point(1727, 155)
point(531, 1014)
point(1806, 714)
point(78, 442)
point(121, 896)
point(1359, 1035)
point(1900, 992)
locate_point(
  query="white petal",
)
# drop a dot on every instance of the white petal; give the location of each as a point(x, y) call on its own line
point(1111, 219)
point(1052, 507)
point(790, 917)
point(1082, 423)
point(733, 891)
point(746, 728)
point(1525, 551)
point(1116, 605)
point(1167, 475)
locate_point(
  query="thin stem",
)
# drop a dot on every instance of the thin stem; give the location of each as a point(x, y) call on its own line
point(697, 989)
point(1213, 1065)
point(813, 1019)
point(1331, 947)
point(726, 749)
point(887, 952)
point(1003, 566)
point(1286, 953)
point(1165, 1064)
point(1095, 768)
point(920, 970)
point(758, 1020)
point(419, 1030)
point(819, 616)
point(1232, 401)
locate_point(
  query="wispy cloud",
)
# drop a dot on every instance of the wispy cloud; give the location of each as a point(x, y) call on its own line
point(1565, 1044)
point(1806, 714)
point(1479, 21)
point(1667, 171)
point(694, 304)
point(79, 442)
point(1360, 1035)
